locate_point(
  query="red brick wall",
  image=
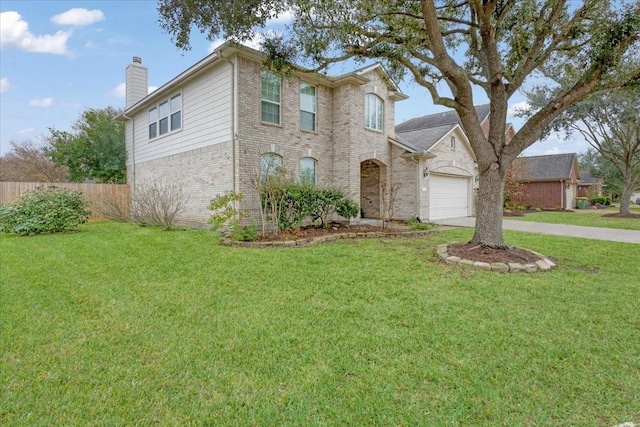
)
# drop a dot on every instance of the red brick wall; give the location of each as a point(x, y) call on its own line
point(543, 194)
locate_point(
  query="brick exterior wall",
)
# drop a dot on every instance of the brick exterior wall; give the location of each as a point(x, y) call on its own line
point(201, 174)
point(339, 145)
point(404, 175)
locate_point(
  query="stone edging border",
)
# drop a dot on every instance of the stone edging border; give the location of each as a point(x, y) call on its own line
point(545, 264)
point(311, 241)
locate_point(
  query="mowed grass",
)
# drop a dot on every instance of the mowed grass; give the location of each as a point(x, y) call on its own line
point(588, 218)
point(121, 325)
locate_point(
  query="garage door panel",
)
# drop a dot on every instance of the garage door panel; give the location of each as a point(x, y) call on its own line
point(448, 197)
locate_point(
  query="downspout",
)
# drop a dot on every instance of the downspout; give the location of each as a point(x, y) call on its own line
point(233, 121)
point(133, 147)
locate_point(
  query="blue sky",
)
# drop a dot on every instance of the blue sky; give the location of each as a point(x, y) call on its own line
point(60, 58)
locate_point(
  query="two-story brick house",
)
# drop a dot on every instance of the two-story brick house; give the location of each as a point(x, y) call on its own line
point(215, 126)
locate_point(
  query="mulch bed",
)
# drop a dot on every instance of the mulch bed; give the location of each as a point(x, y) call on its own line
point(620, 215)
point(482, 254)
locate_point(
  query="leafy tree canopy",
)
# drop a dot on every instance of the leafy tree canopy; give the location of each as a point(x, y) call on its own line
point(497, 45)
point(94, 149)
point(610, 123)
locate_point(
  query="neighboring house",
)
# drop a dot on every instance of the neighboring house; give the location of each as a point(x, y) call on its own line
point(550, 181)
point(224, 122)
point(589, 186)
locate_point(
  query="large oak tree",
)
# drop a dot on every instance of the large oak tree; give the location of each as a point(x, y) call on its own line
point(449, 47)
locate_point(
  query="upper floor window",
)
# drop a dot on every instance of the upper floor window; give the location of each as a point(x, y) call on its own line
point(307, 107)
point(373, 112)
point(270, 98)
point(453, 142)
point(308, 167)
point(165, 117)
point(270, 165)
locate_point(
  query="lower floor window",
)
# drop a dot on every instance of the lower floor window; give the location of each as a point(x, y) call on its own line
point(308, 167)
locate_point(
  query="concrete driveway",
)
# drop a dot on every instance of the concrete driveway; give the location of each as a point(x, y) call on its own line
point(595, 233)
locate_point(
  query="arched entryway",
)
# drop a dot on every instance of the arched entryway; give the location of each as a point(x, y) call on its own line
point(370, 198)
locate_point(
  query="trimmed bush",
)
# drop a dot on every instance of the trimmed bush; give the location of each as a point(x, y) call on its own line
point(605, 201)
point(293, 203)
point(44, 210)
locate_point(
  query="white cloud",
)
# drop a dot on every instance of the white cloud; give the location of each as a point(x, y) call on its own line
point(554, 150)
point(4, 84)
point(43, 102)
point(119, 91)
point(151, 89)
point(14, 31)
point(518, 108)
point(25, 131)
point(283, 18)
point(78, 16)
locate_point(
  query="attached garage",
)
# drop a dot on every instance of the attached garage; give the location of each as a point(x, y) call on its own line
point(448, 196)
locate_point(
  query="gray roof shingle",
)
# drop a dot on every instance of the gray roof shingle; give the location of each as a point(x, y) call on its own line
point(421, 133)
point(545, 168)
point(439, 119)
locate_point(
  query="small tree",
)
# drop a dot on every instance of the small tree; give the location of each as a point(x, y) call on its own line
point(27, 162)
point(226, 217)
point(389, 200)
point(514, 185)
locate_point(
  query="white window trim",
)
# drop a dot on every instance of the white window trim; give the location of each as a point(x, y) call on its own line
point(275, 161)
point(279, 104)
point(315, 169)
point(168, 116)
point(452, 143)
point(315, 107)
point(375, 117)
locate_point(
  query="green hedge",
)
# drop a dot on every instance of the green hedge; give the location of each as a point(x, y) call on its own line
point(50, 210)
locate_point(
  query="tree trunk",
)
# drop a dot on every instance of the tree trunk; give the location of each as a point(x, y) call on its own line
point(489, 207)
point(625, 198)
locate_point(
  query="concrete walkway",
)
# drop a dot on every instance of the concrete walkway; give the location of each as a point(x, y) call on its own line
point(596, 233)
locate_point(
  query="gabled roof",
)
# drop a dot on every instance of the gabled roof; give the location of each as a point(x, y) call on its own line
point(552, 167)
point(587, 179)
point(440, 119)
point(229, 49)
point(424, 139)
point(422, 133)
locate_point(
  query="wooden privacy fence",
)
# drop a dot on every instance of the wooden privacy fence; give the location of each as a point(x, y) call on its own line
point(101, 197)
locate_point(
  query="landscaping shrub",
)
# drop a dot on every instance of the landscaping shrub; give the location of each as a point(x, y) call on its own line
point(347, 208)
point(244, 234)
point(326, 200)
point(157, 204)
point(50, 210)
point(293, 203)
point(414, 224)
point(605, 201)
point(226, 217)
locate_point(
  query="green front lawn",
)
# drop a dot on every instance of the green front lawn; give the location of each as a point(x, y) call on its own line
point(121, 325)
point(587, 217)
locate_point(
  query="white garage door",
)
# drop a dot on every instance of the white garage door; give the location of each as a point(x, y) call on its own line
point(448, 197)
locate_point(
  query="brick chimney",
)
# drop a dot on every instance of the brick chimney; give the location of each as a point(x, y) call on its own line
point(136, 81)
